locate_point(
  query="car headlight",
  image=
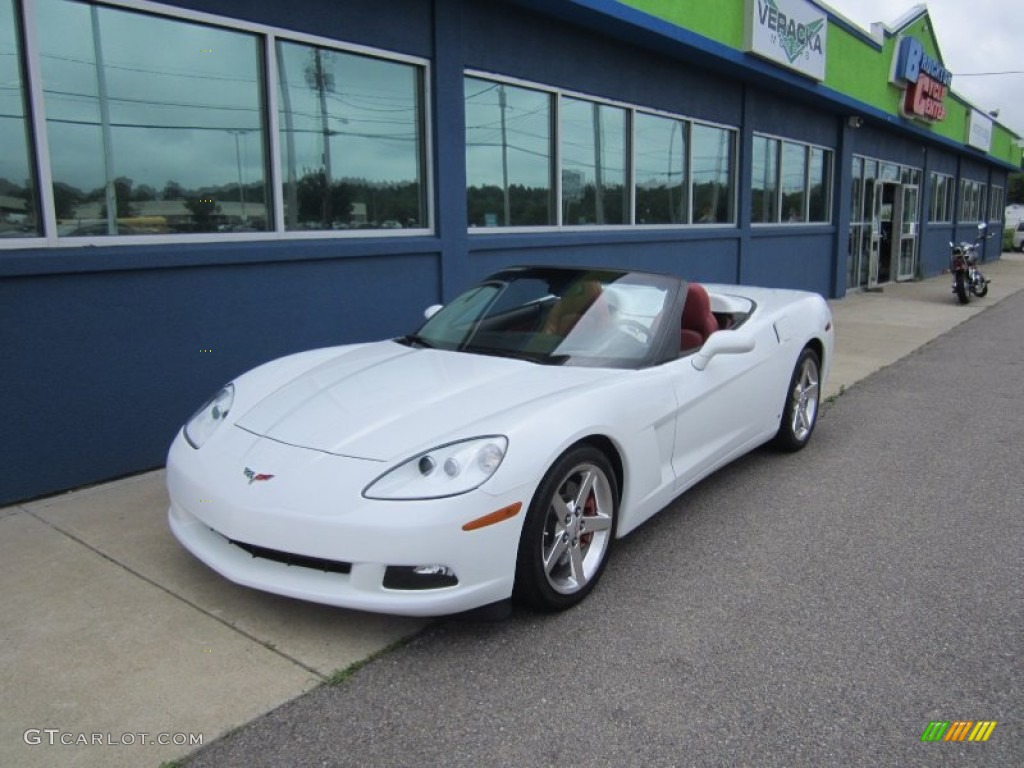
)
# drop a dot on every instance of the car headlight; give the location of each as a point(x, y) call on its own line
point(447, 470)
point(206, 420)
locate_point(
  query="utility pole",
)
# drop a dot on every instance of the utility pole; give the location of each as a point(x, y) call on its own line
point(504, 155)
point(324, 81)
point(104, 103)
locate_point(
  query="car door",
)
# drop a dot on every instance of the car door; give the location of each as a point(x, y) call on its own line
point(727, 408)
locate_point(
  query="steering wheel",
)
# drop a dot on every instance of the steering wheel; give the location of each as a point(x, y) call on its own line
point(633, 329)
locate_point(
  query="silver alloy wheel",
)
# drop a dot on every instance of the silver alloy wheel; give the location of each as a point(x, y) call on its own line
point(577, 528)
point(805, 399)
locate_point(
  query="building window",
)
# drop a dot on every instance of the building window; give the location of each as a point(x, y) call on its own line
point(941, 207)
point(19, 205)
point(972, 203)
point(351, 140)
point(791, 182)
point(508, 155)
point(856, 189)
point(819, 180)
point(712, 162)
point(154, 125)
point(659, 158)
point(995, 207)
point(765, 181)
point(594, 162)
point(617, 165)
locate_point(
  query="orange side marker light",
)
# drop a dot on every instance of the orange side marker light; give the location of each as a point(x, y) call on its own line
point(494, 517)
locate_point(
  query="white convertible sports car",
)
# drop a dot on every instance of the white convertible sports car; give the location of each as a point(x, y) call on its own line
point(500, 450)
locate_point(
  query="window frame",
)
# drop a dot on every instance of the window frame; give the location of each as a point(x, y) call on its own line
point(632, 110)
point(629, 174)
point(944, 216)
point(996, 204)
point(829, 170)
point(553, 183)
point(734, 175)
point(685, 183)
point(972, 201)
point(267, 38)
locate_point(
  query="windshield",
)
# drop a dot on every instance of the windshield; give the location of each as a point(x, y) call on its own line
point(555, 316)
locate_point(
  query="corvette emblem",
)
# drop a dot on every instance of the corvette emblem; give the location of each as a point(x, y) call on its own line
point(254, 476)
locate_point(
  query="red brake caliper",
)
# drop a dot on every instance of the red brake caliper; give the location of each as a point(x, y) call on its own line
point(589, 510)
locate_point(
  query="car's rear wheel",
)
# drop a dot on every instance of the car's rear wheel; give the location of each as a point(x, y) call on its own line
point(800, 413)
point(568, 531)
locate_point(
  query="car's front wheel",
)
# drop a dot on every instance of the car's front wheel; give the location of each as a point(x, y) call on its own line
point(800, 412)
point(568, 531)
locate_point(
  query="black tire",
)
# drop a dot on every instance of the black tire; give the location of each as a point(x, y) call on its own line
point(982, 290)
point(803, 398)
point(570, 526)
point(960, 288)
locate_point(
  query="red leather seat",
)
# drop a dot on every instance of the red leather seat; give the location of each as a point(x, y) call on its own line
point(698, 322)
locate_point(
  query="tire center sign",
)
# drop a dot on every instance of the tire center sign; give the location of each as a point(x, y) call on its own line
point(791, 33)
point(924, 80)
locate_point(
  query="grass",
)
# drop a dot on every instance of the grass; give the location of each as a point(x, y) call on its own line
point(835, 396)
point(342, 675)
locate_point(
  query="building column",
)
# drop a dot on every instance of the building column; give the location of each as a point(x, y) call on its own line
point(449, 140)
point(841, 192)
point(744, 181)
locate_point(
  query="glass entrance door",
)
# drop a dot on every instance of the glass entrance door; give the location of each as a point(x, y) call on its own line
point(908, 229)
point(888, 231)
point(881, 219)
point(884, 223)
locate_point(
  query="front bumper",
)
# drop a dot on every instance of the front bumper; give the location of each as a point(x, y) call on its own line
point(312, 508)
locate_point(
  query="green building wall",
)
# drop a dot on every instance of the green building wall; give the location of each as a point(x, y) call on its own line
point(856, 65)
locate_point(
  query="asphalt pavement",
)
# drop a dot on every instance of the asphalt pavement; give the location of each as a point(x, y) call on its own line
point(815, 609)
point(819, 609)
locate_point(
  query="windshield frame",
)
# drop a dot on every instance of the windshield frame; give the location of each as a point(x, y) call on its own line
point(472, 323)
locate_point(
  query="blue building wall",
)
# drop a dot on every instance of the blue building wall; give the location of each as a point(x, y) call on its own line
point(105, 351)
point(101, 368)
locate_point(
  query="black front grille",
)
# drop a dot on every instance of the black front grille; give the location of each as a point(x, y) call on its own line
point(300, 561)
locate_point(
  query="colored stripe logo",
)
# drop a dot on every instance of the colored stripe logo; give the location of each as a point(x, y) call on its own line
point(958, 730)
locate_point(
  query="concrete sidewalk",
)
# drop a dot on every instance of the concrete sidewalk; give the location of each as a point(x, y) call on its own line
point(112, 632)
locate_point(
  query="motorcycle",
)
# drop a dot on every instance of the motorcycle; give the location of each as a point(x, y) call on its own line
point(967, 278)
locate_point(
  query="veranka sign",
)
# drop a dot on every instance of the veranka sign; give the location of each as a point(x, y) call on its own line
point(788, 32)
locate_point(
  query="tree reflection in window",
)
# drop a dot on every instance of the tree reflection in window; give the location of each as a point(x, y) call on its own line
point(508, 155)
point(594, 161)
point(794, 181)
point(351, 140)
point(660, 159)
point(712, 174)
point(765, 180)
point(154, 124)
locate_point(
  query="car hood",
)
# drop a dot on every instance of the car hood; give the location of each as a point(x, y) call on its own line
point(382, 401)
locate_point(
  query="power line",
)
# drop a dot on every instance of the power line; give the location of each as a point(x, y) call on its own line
point(987, 74)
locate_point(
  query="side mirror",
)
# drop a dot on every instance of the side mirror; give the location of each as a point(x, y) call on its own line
point(722, 343)
point(432, 310)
